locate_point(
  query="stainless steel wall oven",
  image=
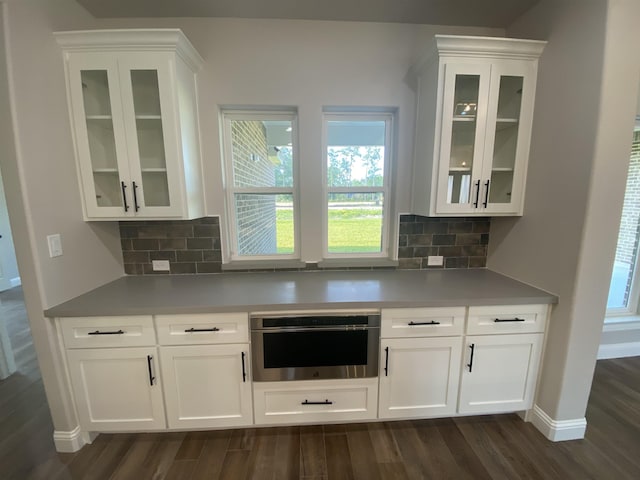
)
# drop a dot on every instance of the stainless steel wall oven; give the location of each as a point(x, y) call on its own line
point(310, 346)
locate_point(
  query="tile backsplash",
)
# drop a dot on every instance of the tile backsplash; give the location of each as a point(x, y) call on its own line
point(193, 246)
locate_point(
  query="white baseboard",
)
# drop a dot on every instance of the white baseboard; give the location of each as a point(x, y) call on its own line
point(558, 430)
point(619, 350)
point(69, 442)
point(14, 282)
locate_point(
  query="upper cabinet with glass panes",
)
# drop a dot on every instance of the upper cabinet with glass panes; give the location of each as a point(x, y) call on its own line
point(475, 110)
point(133, 105)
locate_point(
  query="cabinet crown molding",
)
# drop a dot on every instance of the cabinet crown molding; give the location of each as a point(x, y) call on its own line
point(480, 47)
point(137, 40)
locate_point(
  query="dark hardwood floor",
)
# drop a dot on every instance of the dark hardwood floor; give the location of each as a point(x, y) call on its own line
point(486, 447)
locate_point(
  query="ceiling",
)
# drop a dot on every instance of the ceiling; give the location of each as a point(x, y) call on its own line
point(481, 13)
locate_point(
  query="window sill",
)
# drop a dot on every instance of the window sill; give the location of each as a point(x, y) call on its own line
point(357, 263)
point(264, 265)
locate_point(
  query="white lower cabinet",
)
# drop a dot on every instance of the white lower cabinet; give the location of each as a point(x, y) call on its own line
point(499, 373)
point(117, 389)
point(313, 401)
point(419, 376)
point(207, 385)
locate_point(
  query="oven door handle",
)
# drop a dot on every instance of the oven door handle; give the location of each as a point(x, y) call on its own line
point(326, 402)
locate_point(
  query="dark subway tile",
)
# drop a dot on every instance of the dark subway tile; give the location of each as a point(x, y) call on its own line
point(484, 239)
point(424, 251)
point(209, 267)
point(436, 227)
point(152, 231)
point(212, 256)
point(199, 243)
point(180, 268)
point(409, 263)
point(179, 231)
point(125, 243)
point(481, 227)
point(444, 240)
point(133, 269)
point(477, 262)
point(468, 239)
point(423, 240)
point(128, 231)
point(460, 227)
point(405, 252)
point(144, 244)
point(407, 218)
point(402, 240)
point(206, 231)
point(189, 255)
point(132, 256)
point(411, 228)
point(172, 243)
point(474, 251)
point(450, 251)
point(163, 255)
point(456, 262)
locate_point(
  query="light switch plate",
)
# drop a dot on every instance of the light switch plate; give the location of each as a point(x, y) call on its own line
point(435, 260)
point(55, 245)
point(160, 265)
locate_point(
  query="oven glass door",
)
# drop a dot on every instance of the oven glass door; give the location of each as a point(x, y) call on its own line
point(315, 354)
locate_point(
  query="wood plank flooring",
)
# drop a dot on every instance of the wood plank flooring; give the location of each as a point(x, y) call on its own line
point(484, 447)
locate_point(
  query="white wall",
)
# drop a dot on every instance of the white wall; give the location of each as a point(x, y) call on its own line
point(565, 242)
point(309, 65)
point(37, 163)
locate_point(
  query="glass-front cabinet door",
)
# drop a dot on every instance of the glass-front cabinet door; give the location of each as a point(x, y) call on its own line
point(97, 113)
point(506, 148)
point(149, 121)
point(464, 112)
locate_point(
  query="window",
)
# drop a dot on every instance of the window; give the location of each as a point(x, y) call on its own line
point(260, 154)
point(357, 149)
point(625, 285)
point(286, 206)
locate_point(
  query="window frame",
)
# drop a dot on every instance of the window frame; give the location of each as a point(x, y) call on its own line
point(347, 115)
point(227, 116)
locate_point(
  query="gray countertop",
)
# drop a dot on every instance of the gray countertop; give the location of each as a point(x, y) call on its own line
point(269, 291)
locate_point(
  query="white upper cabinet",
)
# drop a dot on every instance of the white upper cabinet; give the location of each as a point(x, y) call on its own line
point(133, 105)
point(474, 116)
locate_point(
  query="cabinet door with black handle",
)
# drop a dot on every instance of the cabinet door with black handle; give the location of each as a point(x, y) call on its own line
point(207, 385)
point(421, 376)
point(113, 391)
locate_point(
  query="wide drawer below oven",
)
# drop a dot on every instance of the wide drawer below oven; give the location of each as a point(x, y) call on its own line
point(315, 401)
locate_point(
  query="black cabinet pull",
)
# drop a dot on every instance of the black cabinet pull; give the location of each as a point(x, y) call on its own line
point(307, 402)
point(191, 330)
point(135, 196)
point(470, 364)
point(98, 332)
point(151, 377)
point(386, 362)
point(244, 372)
point(486, 194)
point(432, 322)
point(499, 320)
point(124, 197)
point(475, 204)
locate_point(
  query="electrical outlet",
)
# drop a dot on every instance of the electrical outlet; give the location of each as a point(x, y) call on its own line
point(55, 245)
point(435, 260)
point(160, 265)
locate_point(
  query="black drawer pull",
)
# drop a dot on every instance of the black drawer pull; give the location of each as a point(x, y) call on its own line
point(151, 377)
point(470, 364)
point(191, 330)
point(432, 322)
point(98, 332)
point(501, 320)
point(386, 362)
point(307, 402)
point(244, 372)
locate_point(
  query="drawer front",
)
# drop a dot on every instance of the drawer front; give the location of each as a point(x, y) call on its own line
point(422, 322)
point(90, 332)
point(315, 401)
point(507, 319)
point(195, 329)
